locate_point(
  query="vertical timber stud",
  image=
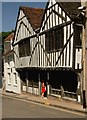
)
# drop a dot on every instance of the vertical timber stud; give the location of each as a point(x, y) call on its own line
point(38, 49)
point(26, 81)
point(84, 59)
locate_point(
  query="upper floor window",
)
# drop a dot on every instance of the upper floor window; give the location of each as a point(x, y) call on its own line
point(54, 39)
point(24, 48)
point(77, 36)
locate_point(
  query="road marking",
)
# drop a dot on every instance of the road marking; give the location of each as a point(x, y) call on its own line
point(33, 105)
point(50, 112)
point(52, 107)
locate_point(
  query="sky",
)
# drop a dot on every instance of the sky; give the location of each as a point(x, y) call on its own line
point(10, 13)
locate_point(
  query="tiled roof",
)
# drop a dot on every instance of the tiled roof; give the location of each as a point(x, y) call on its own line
point(7, 47)
point(34, 16)
point(10, 37)
point(71, 8)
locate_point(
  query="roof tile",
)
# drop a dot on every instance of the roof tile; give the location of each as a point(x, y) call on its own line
point(10, 37)
point(34, 16)
point(71, 8)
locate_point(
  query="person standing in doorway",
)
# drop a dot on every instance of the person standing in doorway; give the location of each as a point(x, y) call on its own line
point(43, 89)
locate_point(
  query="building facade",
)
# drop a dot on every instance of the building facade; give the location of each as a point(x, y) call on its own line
point(48, 47)
point(11, 76)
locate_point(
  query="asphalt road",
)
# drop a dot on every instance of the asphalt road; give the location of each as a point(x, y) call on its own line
point(14, 108)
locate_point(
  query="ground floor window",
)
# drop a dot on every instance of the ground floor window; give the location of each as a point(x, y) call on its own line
point(9, 78)
point(15, 78)
point(33, 83)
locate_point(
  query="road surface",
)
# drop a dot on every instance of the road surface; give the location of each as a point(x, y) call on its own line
point(15, 108)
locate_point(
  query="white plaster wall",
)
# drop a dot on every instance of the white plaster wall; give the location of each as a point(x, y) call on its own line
point(31, 90)
point(10, 69)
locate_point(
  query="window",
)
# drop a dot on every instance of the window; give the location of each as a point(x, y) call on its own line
point(78, 35)
point(15, 78)
point(9, 78)
point(8, 61)
point(54, 39)
point(24, 48)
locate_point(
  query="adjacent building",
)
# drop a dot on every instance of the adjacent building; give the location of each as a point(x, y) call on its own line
point(11, 78)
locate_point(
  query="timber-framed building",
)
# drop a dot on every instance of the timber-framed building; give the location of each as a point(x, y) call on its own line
point(47, 45)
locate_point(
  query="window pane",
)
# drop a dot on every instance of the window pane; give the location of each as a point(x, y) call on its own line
point(54, 39)
point(15, 78)
point(21, 49)
point(77, 35)
point(27, 47)
point(9, 78)
point(24, 48)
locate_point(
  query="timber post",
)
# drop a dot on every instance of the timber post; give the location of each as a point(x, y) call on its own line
point(26, 82)
point(47, 83)
point(39, 84)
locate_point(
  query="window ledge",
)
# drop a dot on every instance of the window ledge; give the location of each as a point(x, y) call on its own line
point(58, 50)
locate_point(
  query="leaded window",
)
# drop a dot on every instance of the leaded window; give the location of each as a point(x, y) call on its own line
point(24, 48)
point(54, 39)
point(77, 36)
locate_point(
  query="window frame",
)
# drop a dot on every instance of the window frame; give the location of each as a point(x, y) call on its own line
point(24, 47)
point(15, 81)
point(52, 40)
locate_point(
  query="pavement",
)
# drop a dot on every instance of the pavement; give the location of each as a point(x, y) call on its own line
point(50, 101)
